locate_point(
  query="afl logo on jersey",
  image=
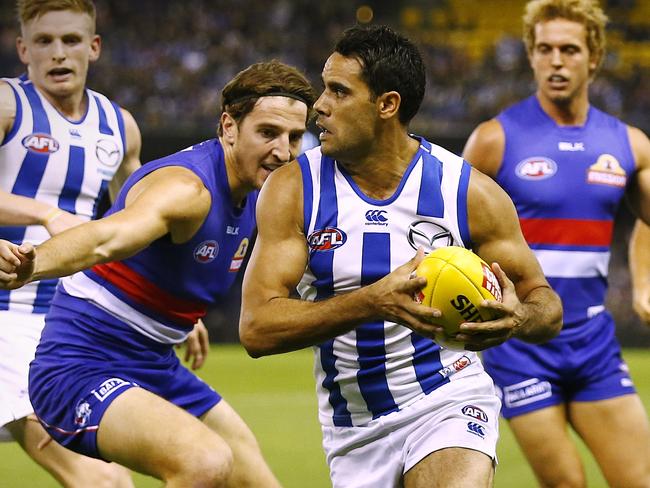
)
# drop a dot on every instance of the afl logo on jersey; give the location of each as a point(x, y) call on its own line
point(107, 152)
point(206, 252)
point(537, 168)
point(40, 143)
point(326, 239)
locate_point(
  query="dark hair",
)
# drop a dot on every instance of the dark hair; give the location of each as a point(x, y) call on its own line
point(389, 62)
point(270, 78)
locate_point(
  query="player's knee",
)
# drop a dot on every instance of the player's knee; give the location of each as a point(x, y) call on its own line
point(99, 474)
point(565, 479)
point(210, 464)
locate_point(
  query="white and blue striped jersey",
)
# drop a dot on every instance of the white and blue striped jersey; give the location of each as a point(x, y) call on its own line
point(59, 162)
point(379, 367)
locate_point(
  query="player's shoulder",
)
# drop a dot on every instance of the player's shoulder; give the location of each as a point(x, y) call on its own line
point(640, 145)
point(7, 107)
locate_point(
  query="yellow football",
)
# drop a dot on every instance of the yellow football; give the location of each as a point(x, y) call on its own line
point(457, 282)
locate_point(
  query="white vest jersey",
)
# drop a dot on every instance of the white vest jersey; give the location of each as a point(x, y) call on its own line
point(379, 367)
point(62, 163)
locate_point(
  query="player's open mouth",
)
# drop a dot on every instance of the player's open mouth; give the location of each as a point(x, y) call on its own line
point(323, 131)
point(558, 81)
point(57, 73)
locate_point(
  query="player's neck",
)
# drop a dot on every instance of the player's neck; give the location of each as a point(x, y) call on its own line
point(73, 107)
point(380, 172)
point(238, 190)
point(571, 112)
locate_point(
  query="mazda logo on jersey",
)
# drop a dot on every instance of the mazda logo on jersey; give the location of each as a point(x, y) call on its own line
point(206, 252)
point(40, 143)
point(107, 152)
point(428, 235)
point(326, 239)
point(537, 168)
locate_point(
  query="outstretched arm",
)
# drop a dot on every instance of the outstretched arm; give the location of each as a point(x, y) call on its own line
point(271, 322)
point(531, 310)
point(170, 200)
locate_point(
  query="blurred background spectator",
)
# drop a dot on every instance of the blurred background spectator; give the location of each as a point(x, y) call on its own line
point(166, 62)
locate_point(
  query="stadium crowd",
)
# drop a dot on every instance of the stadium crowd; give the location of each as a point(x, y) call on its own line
point(166, 61)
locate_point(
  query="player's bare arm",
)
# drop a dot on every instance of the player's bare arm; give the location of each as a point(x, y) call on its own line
point(638, 194)
point(531, 310)
point(170, 200)
point(131, 160)
point(485, 146)
point(640, 270)
point(639, 198)
point(272, 322)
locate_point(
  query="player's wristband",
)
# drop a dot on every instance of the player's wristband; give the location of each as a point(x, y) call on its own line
point(52, 214)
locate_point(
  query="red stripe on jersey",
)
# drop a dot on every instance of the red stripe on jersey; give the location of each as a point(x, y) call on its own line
point(567, 231)
point(144, 292)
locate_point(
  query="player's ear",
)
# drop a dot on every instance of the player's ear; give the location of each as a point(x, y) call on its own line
point(95, 48)
point(21, 48)
point(388, 104)
point(229, 128)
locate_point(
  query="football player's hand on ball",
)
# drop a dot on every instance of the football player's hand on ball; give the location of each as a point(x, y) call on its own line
point(392, 298)
point(509, 315)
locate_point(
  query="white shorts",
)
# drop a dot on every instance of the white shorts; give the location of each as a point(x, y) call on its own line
point(463, 413)
point(19, 336)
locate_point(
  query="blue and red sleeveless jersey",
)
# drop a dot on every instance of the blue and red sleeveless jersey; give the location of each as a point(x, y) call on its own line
point(164, 289)
point(567, 184)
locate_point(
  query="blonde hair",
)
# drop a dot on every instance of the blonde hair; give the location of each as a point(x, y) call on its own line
point(30, 9)
point(585, 12)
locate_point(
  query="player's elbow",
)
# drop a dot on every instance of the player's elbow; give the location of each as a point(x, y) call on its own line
point(252, 337)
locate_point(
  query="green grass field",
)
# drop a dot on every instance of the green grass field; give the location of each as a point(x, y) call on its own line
point(275, 396)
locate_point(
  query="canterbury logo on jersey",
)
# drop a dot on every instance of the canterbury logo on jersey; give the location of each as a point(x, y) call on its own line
point(40, 143)
point(326, 239)
point(376, 217)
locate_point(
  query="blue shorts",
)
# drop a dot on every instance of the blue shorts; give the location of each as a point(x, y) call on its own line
point(582, 364)
point(86, 358)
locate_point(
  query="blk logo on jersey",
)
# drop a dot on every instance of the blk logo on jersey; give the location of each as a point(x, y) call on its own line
point(40, 143)
point(475, 412)
point(326, 239)
point(206, 252)
point(607, 171)
point(571, 146)
point(537, 168)
point(428, 235)
point(107, 152)
point(376, 217)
